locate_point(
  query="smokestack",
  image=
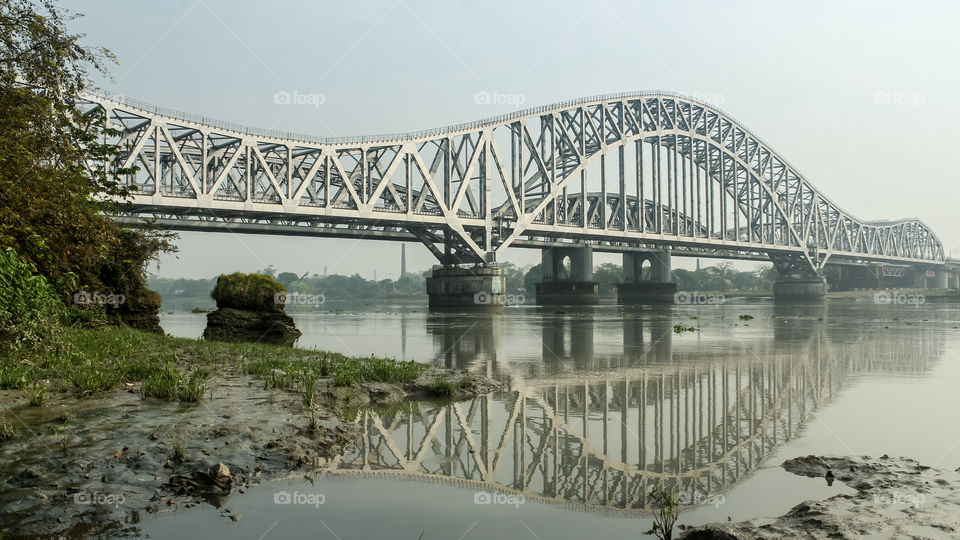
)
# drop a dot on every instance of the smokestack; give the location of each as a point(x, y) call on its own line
point(403, 260)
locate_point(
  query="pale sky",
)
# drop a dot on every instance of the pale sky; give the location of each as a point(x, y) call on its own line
point(805, 76)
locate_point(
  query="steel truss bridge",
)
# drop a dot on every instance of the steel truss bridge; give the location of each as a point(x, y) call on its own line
point(653, 415)
point(619, 172)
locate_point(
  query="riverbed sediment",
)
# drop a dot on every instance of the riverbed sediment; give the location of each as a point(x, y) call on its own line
point(894, 498)
point(96, 466)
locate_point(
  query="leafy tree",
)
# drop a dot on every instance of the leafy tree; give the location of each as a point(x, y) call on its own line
point(533, 276)
point(58, 176)
point(513, 275)
point(608, 275)
point(287, 278)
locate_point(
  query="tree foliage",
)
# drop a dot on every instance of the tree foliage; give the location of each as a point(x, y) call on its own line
point(58, 172)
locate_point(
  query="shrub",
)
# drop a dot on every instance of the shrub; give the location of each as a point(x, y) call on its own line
point(29, 306)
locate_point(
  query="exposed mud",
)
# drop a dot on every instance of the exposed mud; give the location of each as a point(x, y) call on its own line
point(81, 467)
point(895, 498)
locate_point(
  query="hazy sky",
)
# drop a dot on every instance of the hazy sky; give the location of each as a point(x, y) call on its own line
point(861, 97)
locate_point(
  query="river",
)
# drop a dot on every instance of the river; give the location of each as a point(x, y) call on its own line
point(598, 405)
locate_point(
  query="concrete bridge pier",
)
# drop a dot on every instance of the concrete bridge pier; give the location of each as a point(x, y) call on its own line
point(567, 277)
point(940, 279)
point(653, 288)
point(800, 288)
point(954, 279)
point(455, 288)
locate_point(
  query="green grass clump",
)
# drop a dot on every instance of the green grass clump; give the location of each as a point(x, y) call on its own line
point(162, 384)
point(679, 329)
point(14, 376)
point(37, 394)
point(192, 388)
point(442, 387)
point(354, 370)
point(746, 317)
point(345, 374)
point(91, 378)
point(179, 452)
point(307, 383)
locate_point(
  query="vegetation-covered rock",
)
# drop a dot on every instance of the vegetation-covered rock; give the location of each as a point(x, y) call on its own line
point(251, 292)
point(250, 308)
point(140, 310)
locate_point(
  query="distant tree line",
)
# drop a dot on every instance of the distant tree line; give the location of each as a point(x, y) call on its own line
point(719, 277)
point(333, 287)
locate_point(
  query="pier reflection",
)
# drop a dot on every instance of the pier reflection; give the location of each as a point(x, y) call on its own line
point(597, 430)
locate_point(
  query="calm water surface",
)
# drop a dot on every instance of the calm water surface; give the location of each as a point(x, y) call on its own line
point(599, 406)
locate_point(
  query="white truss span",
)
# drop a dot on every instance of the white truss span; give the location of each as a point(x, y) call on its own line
point(619, 172)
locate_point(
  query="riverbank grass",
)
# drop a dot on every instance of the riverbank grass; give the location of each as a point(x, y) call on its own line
point(92, 361)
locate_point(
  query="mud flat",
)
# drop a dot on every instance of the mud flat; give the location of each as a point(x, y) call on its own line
point(98, 466)
point(895, 498)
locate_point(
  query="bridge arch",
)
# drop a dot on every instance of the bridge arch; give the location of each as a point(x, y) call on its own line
point(471, 190)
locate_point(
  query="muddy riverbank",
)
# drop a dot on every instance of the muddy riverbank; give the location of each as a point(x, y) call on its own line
point(80, 467)
point(895, 498)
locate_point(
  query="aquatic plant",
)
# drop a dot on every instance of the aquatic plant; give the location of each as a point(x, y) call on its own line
point(37, 394)
point(666, 509)
point(7, 431)
point(179, 452)
point(307, 382)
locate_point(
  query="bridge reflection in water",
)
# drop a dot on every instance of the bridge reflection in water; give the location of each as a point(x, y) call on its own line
point(598, 431)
